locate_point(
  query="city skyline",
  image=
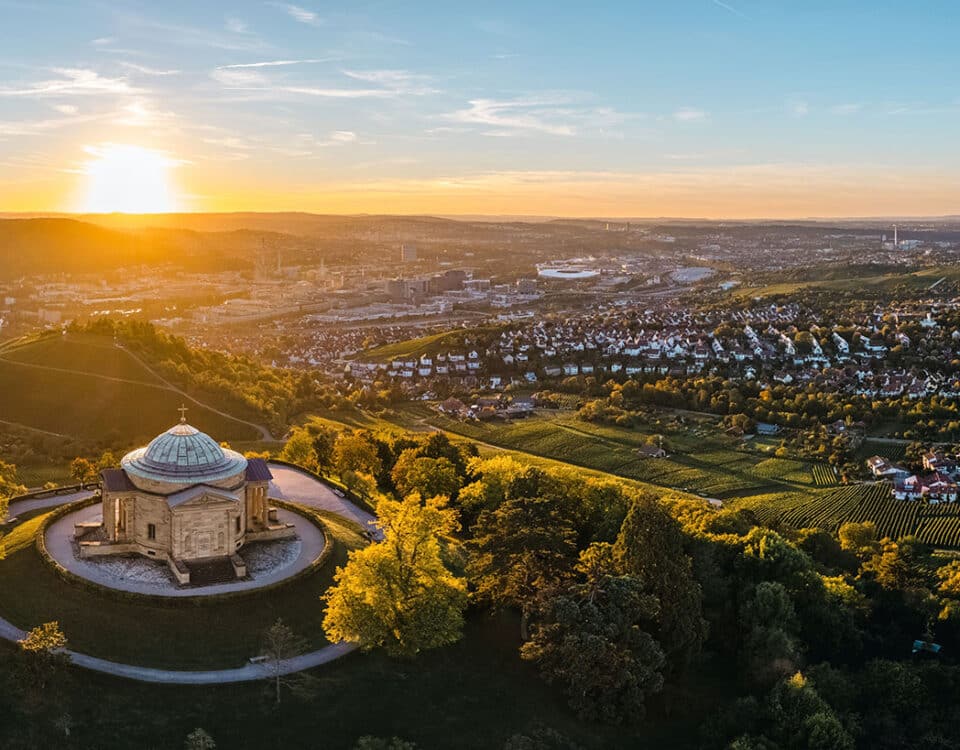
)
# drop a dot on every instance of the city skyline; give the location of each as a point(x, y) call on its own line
point(694, 109)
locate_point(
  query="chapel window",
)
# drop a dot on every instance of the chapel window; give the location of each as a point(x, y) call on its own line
point(151, 531)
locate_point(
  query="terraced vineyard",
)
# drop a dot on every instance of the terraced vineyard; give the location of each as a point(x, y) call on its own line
point(824, 475)
point(890, 451)
point(938, 525)
point(698, 462)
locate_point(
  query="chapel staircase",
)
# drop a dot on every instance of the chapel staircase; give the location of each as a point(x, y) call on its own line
point(211, 571)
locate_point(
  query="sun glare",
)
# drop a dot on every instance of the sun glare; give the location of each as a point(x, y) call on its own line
point(128, 179)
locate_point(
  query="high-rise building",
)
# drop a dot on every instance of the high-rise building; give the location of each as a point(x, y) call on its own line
point(408, 253)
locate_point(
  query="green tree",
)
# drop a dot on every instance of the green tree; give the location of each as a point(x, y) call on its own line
point(324, 440)
point(519, 549)
point(369, 742)
point(650, 548)
point(198, 739)
point(299, 449)
point(356, 452)
point(860, 539)
point(428, 476)
point(43, 666)
point(9, 486)
point(398, 594)
point(770, 649)
point(280, 644)
point(591, 640)
point(83, 470)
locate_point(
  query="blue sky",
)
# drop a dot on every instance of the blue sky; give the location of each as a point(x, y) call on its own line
point(690, 107)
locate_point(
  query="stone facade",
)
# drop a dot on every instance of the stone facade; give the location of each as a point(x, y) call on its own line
point(184, 499)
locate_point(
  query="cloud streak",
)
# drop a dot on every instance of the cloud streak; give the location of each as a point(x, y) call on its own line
point(276, 63)
point(300, 14)
point(72, 82)
point(730, 9)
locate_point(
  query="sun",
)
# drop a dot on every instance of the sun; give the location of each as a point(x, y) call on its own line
point(129, 179)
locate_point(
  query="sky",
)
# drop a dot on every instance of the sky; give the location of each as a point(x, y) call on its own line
point(684, 108)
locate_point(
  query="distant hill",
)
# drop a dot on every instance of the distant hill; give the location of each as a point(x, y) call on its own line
point(59, 245)
point(30, 246)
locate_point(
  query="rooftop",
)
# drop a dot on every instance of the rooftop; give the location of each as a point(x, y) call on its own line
point(183, 455)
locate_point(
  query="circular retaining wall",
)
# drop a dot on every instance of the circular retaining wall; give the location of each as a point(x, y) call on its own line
point(316, 547)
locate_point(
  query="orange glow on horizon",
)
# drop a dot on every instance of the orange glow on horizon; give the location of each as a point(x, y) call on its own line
point(131, 179)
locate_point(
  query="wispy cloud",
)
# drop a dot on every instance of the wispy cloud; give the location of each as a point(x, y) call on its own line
point(846, 109)
point(400, 81)
point(148, 71)
point(514, 114)
point(237, 78)
point(190, 36)
point(689, 114)
point(276, 63)
point(141, 113)
point(798, 107)
point(730, 9)
point(32, 127)
point(300, 14)
point(389, 83)
point(236, 26)
point(72, 82)
point(337, 93)
point(553, 115)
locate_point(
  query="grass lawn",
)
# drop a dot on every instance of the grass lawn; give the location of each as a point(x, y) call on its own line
point(473, 695)
point(76, 397)
point(87, 353)
point(184, 636)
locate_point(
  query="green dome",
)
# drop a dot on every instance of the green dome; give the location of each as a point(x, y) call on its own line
point(183, 455)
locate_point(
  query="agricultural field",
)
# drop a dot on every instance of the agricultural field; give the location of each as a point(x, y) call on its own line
point(937, 525)
point(700, 460)
point(824, 475)
point(882, 448)
point(413, 348)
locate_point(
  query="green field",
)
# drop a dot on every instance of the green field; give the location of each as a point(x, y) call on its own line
point(701, 460)
point(916, 280)
point(413, 348)
point(890, 451)
point(937, 525)
point(96, 394)
point(91, 354)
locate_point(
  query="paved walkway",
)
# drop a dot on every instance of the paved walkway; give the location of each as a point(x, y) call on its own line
point(299, 487)
point(289, 484)
point(25, 506)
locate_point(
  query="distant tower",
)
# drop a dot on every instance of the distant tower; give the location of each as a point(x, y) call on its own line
point(895, 243)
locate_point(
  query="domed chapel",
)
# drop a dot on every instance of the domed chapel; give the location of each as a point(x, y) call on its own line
point(185, 500)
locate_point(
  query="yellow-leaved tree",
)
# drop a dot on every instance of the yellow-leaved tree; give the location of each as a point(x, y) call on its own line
point(398, 594)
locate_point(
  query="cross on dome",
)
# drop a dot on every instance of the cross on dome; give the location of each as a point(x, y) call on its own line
point(183, 414)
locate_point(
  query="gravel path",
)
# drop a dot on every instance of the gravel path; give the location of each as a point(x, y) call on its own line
point(288, 484)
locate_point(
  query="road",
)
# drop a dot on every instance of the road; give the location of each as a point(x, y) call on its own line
point(289, 484)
